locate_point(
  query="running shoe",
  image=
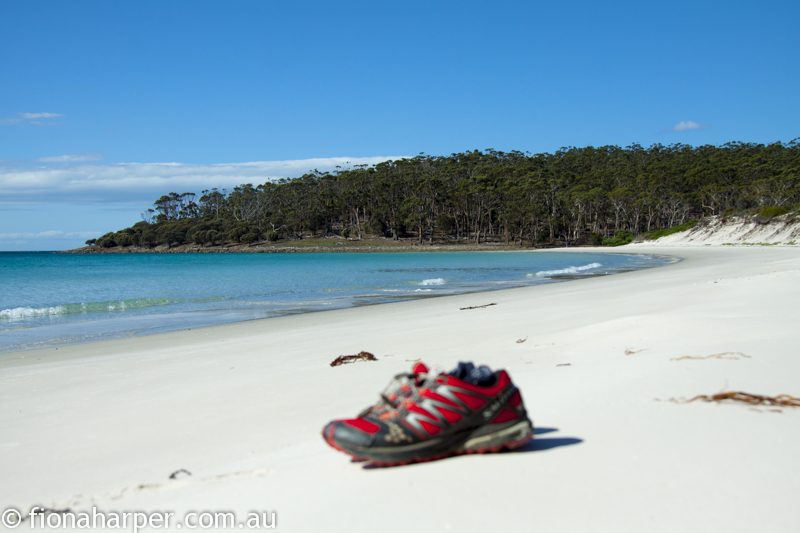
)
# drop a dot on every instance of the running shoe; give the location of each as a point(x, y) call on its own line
point(469, 410)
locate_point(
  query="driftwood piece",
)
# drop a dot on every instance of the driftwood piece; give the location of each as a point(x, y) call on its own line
point(476, 307)
point(181, 472)
point(360, 356)
point(35, 510)
point(781, 400)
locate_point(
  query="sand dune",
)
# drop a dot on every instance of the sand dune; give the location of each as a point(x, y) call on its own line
point(781, 230)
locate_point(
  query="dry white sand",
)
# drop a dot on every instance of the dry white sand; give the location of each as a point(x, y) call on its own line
point(241, 407)
point(781, 230)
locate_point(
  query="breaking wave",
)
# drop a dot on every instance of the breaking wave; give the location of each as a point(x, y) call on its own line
point(20, 313)
point(568, 270)
point(24, 313)
point(432, 281)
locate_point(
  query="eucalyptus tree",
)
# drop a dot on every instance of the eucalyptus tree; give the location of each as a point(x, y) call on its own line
point(572, 196)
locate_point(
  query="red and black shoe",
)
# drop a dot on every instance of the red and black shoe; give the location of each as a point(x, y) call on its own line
point(450, 414)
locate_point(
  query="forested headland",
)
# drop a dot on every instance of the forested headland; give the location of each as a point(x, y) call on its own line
point(592, 195)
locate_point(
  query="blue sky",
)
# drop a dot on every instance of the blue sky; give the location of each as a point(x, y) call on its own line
point(106, 105)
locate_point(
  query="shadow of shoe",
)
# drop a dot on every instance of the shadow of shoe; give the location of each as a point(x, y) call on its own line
point(538, 445)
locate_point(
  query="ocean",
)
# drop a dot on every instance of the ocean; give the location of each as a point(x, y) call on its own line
point(51, 299)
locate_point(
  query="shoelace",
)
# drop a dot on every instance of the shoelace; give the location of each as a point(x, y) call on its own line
point(414, 397)
point(403, 386)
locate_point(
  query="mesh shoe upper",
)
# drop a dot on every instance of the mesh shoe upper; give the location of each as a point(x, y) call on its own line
point(403, 386)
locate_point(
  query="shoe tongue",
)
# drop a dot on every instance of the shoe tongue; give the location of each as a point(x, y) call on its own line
point(481, 375)
point(419, 368)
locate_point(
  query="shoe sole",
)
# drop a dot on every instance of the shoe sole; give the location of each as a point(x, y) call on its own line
point(509, 437)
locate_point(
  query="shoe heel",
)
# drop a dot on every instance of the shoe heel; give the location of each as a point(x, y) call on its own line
point(508, 438)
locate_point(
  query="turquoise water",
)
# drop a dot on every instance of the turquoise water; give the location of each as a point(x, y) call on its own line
point(48, 298)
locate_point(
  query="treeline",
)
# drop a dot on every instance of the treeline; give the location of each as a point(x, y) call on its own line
point(573, 196)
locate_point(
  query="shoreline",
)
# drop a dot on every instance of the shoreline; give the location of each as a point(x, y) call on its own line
point(240, 406)
point(311, 245)
point(558, 278)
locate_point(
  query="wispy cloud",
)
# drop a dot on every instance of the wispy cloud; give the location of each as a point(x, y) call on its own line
point(70, 158)
point(49, 234)
point(67, 183)
point(37, 118)
point(686, 125)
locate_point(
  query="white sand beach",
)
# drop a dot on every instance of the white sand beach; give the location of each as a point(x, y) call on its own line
point(241, 406)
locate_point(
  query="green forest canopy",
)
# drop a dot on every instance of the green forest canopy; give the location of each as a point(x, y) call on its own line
point(572, 196)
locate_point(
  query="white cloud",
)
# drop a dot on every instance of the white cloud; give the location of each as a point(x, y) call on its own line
point(685, 125)
point(49, 234)
point(70, 158)
point(121, 181)
point(39, 117)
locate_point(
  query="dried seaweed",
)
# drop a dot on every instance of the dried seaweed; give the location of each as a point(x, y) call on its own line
point(721, 355)
point(781, 400)
point(633, 351)
point(520, 341)
point(346, 359)
point(476, 307)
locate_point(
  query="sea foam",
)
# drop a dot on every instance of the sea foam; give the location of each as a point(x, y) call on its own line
point(25, 313)
point(568, 270)
point(21, 313)
point(432, 281)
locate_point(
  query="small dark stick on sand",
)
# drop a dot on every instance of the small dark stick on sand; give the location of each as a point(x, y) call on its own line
point(360, 356)
point(182, 472)
point(39, 510)
point(476, 307)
